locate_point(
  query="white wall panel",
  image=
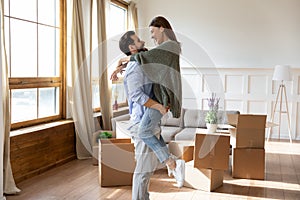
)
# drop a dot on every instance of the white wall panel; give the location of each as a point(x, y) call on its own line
point(191, 103)
point(191, 84)
point(234, 84)
point(212, 83)
point(258, 84)
point(257, 107)
point(234, 105)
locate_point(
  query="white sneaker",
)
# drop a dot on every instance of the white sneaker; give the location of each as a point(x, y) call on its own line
point(170, 172)
point(179, 173)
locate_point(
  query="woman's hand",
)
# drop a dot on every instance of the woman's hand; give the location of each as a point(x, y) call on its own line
point(119, 69)
point(163, 110)
point(122, 63)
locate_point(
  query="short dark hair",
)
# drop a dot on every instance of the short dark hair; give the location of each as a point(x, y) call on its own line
point(125, 41)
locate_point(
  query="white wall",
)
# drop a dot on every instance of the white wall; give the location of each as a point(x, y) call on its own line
point(234, 33)
point(251, 91)
point(243, 40)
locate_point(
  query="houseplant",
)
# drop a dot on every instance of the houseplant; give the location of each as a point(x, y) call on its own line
point(211, 117)
point(104, 135)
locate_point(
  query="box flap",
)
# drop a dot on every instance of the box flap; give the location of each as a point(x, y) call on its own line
point(252, 121)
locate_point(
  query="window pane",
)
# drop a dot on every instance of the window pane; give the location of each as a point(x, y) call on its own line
point(48, 102)
point(48, 12)
point(6, 7)
point(48, 51)
point(23, 49)
point(23, 105)
point(96, 97)
point(118, 19)
point(23, 9)
point(118, 93)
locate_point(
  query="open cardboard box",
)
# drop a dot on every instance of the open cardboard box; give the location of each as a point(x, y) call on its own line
point(248, 131)
point(95, 145)
point(212, 151)
point(116, 162)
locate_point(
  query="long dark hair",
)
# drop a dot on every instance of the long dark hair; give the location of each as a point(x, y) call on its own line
point(160, 21)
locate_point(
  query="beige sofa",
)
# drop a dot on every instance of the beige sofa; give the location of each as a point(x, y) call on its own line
point(182, 128)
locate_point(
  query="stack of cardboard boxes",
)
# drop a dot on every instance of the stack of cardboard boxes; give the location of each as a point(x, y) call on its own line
point(248, 142)
point(211, 158)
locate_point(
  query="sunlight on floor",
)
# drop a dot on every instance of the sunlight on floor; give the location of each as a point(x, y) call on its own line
point(264, 184)
point(283, 148)
point(113, 194)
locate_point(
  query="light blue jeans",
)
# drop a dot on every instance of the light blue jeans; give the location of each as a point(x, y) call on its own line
point(151, 119)
point(146, 163)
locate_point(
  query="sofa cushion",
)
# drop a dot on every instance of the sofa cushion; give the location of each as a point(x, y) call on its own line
point(169, 120)
point(186, 134)
point(196, 118)
point(119, 118)
point(122, 129)
point(168, 132)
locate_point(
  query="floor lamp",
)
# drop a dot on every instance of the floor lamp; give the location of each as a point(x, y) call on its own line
point(281, 73)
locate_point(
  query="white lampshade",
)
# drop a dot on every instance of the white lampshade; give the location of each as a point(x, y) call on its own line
point(282, 73)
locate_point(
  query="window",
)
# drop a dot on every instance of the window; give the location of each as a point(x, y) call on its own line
point(118, 17)
point(117, 26)
point(35, 53)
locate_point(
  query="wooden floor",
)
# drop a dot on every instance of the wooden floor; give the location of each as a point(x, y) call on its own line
point(78, 180)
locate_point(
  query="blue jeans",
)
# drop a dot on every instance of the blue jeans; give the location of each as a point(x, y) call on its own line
point(150, 120)
point(146, 163)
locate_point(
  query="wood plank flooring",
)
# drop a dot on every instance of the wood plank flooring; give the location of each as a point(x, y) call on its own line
point(78, 180)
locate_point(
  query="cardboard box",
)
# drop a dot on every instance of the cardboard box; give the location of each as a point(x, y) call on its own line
point(202, 179)
point(95, 145)
point(248, 163)
point(249, 132)
point(212, 151)
point(116, 162)
point(182, 149)
point(232, 119)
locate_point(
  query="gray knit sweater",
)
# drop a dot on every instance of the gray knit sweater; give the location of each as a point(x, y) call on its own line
point(161, 65)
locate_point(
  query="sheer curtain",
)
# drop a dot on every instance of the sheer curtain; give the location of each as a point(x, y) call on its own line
point(82, 111)
point(7, 183)
point(105, 88)
point(83, 62)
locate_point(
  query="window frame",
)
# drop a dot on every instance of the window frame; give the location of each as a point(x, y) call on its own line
point(46, 82)
point(124, 5)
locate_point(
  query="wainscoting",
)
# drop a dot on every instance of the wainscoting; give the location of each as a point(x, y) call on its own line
point(37, 149)
point(251, 91)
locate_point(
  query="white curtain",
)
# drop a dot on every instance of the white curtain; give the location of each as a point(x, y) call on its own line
point(83, 62)
point(82, 111)
point(104, 86)
point(7, 184)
